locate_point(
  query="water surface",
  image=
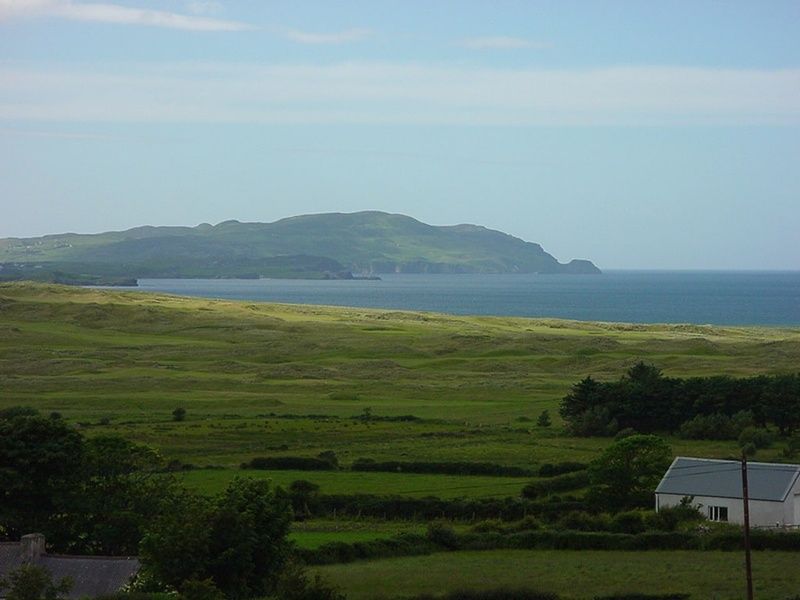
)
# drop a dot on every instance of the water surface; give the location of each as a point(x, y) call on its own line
point(701, 297)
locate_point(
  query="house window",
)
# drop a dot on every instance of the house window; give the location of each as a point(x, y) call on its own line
point(718, 513)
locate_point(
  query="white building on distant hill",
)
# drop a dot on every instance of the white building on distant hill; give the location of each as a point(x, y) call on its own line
point(715, 487)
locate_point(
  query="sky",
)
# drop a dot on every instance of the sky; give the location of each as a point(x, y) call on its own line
point(639, 135)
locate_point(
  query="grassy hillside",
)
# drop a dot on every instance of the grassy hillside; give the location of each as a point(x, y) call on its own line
point(121, 362)
point(367, 242)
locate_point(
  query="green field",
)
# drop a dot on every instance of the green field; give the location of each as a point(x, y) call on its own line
point(281, 380)
point(313, 534)
point(573, 575)
point(353, 482)
point(120, 362)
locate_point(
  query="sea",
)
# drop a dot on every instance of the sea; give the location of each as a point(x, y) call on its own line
point(767, 298)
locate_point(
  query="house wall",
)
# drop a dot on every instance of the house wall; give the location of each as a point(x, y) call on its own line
point(762, 513)
point(792, 505)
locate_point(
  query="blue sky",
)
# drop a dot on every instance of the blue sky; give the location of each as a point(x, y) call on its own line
point(636, 134)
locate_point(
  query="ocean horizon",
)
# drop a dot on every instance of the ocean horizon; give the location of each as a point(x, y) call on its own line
point(757, 298)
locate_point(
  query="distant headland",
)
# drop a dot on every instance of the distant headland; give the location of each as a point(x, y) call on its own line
point(358, 245)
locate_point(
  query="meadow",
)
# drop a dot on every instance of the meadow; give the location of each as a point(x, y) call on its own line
point(574, 575)
point(287, 380)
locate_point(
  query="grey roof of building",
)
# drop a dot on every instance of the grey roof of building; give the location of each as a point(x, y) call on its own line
point(723, 479)
point(92, 575)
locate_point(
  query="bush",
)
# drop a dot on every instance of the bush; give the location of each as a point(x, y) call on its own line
point(644, 597)
point(443, 535)
point(558, 483)
point(553, 469)
point(445, 468)
point(179, 414)
point(583, 521)
point(201, 589)
point(760, 438)
point(12, 412)
point(544, 419)
point(500, 594)
point(628, 522)
point(289, 463)
point(31, 582)
point(627, 432)
point(295, 584)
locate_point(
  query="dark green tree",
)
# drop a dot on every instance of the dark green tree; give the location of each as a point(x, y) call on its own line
point(627, 473)
point(40, 468)
point(781, 400)
point(122, 489)
point(238, 539)
point(31, 582)
point(544, 419)
point(179, 414)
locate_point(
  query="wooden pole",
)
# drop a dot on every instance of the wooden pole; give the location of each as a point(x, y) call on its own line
point(746, 501)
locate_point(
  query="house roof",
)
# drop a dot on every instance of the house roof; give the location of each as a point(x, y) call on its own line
point(723, 479)
point(92, 575)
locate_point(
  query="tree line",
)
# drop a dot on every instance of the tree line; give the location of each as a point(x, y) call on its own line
point(647, 401)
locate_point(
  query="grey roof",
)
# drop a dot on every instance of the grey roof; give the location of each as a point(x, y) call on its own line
point(723, 479)
point(92, 575)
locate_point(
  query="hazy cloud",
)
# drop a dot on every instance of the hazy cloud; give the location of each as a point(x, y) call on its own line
point(400, 93)
point(113, 13)
point(502, 43)
point(338, 37)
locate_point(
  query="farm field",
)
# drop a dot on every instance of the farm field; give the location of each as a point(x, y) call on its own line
point(574, 575)
point(413, 485)
point(317, 532)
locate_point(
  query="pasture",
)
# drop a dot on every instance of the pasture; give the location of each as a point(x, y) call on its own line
point(574, 575)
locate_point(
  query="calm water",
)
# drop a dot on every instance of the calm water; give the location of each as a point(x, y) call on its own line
point(703, 297)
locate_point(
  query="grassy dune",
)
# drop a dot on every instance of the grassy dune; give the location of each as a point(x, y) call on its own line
point(120, 362)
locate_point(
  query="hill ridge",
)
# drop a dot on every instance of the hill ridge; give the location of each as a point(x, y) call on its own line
point(303, 246)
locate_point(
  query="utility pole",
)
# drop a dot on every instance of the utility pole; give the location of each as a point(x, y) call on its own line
point(746, 500)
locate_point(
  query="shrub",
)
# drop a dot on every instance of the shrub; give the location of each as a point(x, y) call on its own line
point(443, 535)
point(446, 468)
point(644, 597)
point(627, 432)
point(760, 438)
point(179, 414)
point(284, 463)
point(583, 521)
point(201, 589)
point(628, 522)
point(295, 584)
point(500, 594)
point(553, 469)
point(31, 582)
point(544, 419)
point(558, 483)
point(12, 412)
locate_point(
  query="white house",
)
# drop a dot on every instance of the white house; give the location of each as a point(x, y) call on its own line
point(715, 487)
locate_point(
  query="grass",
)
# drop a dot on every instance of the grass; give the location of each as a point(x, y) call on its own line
point(575, 575)
point(354, 482)
point(237, 367)
point(282, 380)
point(313, 534)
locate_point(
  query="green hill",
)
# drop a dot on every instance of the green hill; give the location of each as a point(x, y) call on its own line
point(309, 246)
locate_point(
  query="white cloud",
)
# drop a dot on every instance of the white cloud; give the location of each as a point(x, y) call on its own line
point(113, 13)
point(502, 43)
point(338, 37)
point(400, 93)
